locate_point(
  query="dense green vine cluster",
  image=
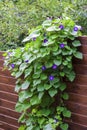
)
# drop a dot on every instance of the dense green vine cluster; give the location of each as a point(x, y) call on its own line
point(41, 68)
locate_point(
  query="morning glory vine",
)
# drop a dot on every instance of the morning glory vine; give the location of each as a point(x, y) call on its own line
point(41, 69)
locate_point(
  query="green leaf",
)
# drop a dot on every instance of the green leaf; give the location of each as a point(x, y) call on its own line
point(64, 126)
point(76, 43)
point(46, 23)
point(67, 52)
point(20, 107)
point(44, 112)
point(65, 62)
point(60, 109)
point(28, 71)
point(22, 127)
point(35, 76)
point(32, 58)
point(35, 100)
point(48, 127)
point(57, 85)
point(62, 87)
point(62, 74)
point(36, 82)
point(52, 92)
point(40, 87)
point(41, 121)
point(40, 95)
point(52, 28)
point(22, 118)
point(57, 62)
point(69, 58)
point(17, 88)
point(29, 127)
point(71, 76)
point(33, 89)
point(22, 66)
point(54, 36)
point(36, 128)
point(25, 85)
point(17, 52)
point(47, 86)
point(29, 120)
point(55, 81)
point(37, 44)
point(49, 64)
point(78, 55)
point(32, 35)
point(65, 96)
point(23, 95)
point(26, 56)
point(18, 74)
point(5, 54)
point(43, 76)
point(38, 71)
point(66, 113)
point(46, 101)
point(55, 48)
point(18, 62)
point(18, 81)
point(39, 55)
point(71, 37)
point(35, 51)
point(55, 53)
point(70, 65)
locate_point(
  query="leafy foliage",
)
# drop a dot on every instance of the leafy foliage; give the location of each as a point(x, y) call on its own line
point(17, 17)
point(41, 68)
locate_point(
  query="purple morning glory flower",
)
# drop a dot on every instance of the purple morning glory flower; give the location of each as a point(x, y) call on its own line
point(54, 66)
point(56, 120)
point(45, 41)
point(51, 77)
point(43, 68)
point(49, 18)
point(62, 45)
point(26, 61)
point(75, 29)
point(34, 38)
point(9, 53)
point(12, 66)
point(61, 27)
point(60, 17)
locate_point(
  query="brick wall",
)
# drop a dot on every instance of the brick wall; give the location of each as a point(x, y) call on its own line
point(8, 98)
point(78, 91)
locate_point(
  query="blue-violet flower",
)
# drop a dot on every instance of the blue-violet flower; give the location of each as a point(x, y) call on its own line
point(51, 77)
point(45, 41)
point(75, 29)
point(9, 53)
point(12, 66)
point(56, 120)
point(54, 66)
point(26, 61)
point(34, 38)
point(62, 45)
point(43, 67)
point(49, 18)
point(61, 27)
